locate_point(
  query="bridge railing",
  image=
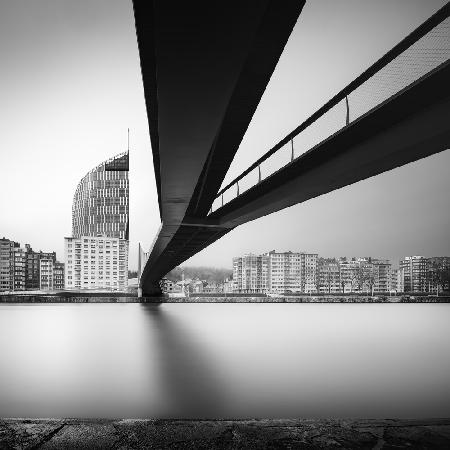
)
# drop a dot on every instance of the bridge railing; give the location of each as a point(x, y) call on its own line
point(421, 52)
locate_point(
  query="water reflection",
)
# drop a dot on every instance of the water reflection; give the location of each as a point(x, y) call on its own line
point(192, 387)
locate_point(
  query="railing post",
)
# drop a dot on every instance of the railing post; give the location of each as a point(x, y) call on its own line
point(222, 198)
point(259, 173)
point(237, 184)
point(347, 118)
point(292, 149)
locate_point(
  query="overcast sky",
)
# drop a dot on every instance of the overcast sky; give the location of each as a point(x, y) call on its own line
point(71, 86)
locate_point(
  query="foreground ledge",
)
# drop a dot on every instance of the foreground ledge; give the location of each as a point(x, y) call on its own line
point(223, 434)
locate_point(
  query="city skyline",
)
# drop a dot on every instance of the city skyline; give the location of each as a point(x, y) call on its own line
point(86, 90)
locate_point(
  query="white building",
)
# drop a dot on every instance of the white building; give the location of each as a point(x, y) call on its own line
point(96, 263)
point(286, 272)
point(250, 274)
point(46, 274)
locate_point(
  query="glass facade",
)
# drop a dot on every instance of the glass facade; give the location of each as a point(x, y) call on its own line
point(100, 204)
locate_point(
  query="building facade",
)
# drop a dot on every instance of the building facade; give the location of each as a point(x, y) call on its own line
point(97, 253)
point(96, 262)
point(280, 273)
point(58, 276)
point(381, 274)
point(46, 274)
point(415, 273)
point(7, 264)
point(100, 204)
point(349, 274)
point(19, 268)
point(292, 272)
point(250, 274)
point(329, 274)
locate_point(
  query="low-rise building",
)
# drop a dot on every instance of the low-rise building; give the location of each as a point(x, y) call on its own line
point(168, 286)
point(228, 285)
point(213, 288)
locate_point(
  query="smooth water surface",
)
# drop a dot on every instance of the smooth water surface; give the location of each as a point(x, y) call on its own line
point(225, 360)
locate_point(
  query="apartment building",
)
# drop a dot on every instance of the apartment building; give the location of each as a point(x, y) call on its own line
point(96, 263)
point(415, 273)
point(381, 270)
point(329, 274)
point(250, 273)
point(7, 264)
point(46, 274)
point(58, 276)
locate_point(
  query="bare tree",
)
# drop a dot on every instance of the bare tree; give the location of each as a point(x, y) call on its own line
point(438, 275)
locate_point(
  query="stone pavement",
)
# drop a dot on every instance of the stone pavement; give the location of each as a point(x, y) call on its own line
point(224, 434)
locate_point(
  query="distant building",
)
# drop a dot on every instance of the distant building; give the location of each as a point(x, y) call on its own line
point(19, 268)
point(401, 279)
point(7, 264)
point(282, 273)
point(381, 274)
point(97, 253)
point(394, 280)
point(228, 285)
point(197, 286)
point(292, 272)
point(50, 256)
point(46, 274)
point(213, 288)
point(168, 286)
point(58, 276)
point(415, 273)
point(349, 274)
point(285, 272)
point(250, 273)
point(96, 263)
point(329, 274)
point(32, 280)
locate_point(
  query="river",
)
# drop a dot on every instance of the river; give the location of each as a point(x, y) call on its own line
point(225, 360)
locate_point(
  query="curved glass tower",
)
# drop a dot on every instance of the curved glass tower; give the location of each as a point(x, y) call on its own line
point(97, 253)
point(100, 204)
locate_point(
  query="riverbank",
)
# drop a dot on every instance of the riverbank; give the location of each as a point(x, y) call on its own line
point(224, 434)
point(124, 298)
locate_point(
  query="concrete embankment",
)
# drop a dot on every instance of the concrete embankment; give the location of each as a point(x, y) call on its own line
point(223, 434)
point(93, 298)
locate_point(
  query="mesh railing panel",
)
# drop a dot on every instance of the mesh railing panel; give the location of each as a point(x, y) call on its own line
point(419, 59)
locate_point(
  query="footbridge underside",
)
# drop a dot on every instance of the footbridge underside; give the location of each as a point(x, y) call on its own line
point(204, 72)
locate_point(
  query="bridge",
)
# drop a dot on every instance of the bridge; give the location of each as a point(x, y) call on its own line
point(205, 67)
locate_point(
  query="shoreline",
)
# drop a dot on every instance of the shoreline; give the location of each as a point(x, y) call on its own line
point(37, 298)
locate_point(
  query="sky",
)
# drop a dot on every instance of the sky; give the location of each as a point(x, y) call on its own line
point(71, 86)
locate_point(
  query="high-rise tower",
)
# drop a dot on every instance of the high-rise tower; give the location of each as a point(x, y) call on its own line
point(97, 253)
point(100, 204)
